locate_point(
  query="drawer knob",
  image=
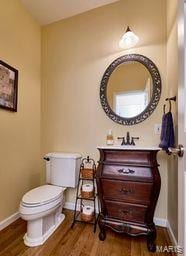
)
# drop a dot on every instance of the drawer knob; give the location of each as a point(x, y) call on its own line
point(124, 171)
point(126, 191)
point(126, 212)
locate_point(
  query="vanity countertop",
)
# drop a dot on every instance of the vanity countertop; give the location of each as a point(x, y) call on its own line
point(119, 147)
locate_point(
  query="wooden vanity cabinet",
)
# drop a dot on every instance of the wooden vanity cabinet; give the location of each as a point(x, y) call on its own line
point(128, 183)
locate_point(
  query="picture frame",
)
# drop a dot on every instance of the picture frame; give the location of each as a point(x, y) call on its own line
point(8, 87)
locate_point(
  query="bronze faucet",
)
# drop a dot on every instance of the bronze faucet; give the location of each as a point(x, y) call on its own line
point(128, 140)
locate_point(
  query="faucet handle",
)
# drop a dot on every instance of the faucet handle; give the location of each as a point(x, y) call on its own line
point(123, 140)
point(133, 140)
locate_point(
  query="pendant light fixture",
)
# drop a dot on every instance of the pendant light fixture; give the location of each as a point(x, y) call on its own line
point(129, 39)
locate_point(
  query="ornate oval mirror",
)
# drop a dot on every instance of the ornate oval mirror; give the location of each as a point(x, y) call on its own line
point(130, 89)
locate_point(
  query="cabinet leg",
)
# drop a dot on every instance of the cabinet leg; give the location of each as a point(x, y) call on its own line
point(72, 224)
point(102, 233)
point(151, 245)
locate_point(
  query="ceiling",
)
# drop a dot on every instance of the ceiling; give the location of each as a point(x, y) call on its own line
point(48, 11)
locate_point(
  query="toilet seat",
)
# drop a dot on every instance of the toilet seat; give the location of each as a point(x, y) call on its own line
point(42, 195)
point(41, 199)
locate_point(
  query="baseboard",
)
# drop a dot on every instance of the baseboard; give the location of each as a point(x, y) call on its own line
point(160, 222)
point(171, 234)
point(70, 206)
point(9, 220)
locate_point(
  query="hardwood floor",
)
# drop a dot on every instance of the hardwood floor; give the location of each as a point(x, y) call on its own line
point(79, 241)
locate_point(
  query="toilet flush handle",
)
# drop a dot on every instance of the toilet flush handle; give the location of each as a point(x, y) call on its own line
point(46, 158)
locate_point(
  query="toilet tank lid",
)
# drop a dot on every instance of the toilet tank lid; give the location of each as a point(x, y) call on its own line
point(64, 155)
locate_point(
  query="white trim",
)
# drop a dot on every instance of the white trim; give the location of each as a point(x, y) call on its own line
point(70, 206)
point(9, 220)
point(160, 222)
point(171, 234)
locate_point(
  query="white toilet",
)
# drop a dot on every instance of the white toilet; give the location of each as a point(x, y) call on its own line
point(41, 207)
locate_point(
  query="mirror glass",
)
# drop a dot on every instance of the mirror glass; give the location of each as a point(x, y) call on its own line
point(129, 89)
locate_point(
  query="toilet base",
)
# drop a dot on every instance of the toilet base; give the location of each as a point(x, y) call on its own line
point(44, 226)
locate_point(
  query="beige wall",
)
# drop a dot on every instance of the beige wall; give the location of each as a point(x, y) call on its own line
point(172, 86)
point(20, 132)
point(75, 54)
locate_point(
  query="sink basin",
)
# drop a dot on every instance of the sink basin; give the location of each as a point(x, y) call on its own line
point(125, 147)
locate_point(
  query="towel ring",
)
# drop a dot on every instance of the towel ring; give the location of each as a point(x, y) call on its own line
point(170, 106)
point(164, 106)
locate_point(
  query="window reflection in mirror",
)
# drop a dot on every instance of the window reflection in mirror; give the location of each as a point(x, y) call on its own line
point(129, 89)
point(130, 104)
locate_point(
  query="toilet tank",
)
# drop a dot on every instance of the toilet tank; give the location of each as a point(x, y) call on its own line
point(62, 169)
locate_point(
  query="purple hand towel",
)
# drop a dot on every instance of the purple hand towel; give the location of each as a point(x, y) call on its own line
point(167, 132)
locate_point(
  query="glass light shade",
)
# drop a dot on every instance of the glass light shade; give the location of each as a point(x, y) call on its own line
point(129, 39)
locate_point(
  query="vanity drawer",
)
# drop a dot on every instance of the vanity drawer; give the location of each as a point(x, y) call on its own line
point(126, 211)
point(128, 157)
point(123, 172)
point(135, 192)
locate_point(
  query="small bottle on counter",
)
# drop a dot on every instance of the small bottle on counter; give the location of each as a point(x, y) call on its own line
point(110, 139)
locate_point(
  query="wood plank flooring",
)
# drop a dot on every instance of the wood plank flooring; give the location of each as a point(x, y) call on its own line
point(79, 241)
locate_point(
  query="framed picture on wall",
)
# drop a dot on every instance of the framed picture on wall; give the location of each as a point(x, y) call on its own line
point(8, 87)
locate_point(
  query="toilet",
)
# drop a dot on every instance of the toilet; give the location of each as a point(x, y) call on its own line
point(42, 207)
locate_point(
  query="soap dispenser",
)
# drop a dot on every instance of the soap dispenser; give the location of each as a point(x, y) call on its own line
point(110, 139)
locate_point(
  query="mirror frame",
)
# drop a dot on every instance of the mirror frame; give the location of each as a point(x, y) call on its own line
point(156, 94)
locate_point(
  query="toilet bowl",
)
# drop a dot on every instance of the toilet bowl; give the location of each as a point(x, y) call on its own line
point(42, 207)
